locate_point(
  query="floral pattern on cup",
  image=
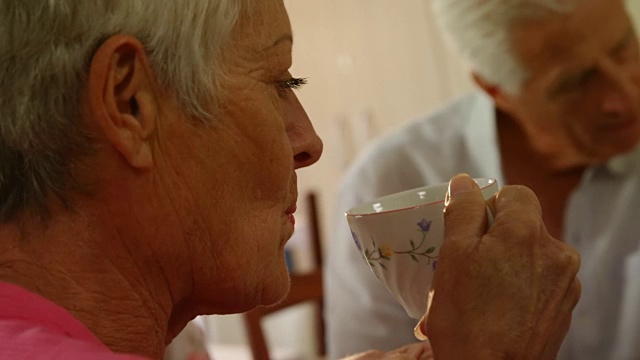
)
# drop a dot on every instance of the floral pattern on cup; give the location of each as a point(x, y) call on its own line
point(384, 252)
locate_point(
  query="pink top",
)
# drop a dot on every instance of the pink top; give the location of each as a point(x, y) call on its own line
point(32, 327)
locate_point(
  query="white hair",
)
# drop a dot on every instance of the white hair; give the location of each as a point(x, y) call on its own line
point(480, 30)
point(45, 50)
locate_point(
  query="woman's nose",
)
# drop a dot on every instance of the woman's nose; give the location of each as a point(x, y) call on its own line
point(305, 143)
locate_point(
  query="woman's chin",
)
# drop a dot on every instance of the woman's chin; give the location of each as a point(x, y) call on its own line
point(276, 291)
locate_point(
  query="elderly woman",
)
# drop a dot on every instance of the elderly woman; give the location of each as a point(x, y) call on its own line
point(149, 150)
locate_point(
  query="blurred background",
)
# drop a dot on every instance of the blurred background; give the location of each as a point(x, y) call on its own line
point(372, 65)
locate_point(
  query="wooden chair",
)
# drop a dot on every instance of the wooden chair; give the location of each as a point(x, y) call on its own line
point(304, 287)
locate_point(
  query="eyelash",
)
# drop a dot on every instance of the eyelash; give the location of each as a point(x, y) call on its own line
point(290, 84)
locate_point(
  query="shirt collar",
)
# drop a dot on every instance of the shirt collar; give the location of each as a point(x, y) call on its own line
point(481, 136)
point(623, 164)
point(17, 303)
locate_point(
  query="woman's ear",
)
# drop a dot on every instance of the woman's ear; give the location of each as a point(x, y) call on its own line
point(122, 99)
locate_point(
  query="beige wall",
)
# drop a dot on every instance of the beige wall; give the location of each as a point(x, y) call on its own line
point(634, 8)
point(377, 60)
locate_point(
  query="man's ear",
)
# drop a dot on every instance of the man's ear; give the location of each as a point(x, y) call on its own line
point(503, 100)
point(122, 100)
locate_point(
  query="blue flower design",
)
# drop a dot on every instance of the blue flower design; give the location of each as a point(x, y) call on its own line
point(424, 225)
point(355, 239)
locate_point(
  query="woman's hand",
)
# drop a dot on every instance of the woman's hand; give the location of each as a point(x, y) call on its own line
point(502, 293)
point(416, 351)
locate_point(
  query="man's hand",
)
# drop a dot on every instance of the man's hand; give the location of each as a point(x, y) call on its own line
point(505, 291)
point(417, 351)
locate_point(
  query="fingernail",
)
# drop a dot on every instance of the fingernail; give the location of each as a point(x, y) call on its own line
point(459, 184)
point(420, 331)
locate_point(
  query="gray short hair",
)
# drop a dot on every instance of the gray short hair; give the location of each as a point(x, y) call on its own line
point(480, 30)
point(45, 49)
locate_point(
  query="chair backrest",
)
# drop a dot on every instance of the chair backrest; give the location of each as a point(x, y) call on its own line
point(305, 287)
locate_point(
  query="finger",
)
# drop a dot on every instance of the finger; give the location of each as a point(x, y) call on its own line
point(517, 199)
point(424, 356)
point(414, 351)
point(557, 337)
point(555, 319)
point(465, 214)
point(574, 294)
point(368, 355)
point(518, 215)
point(569, 304)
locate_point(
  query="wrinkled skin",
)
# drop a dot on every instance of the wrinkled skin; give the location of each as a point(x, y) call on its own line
point(505, 292)
point(501, 292)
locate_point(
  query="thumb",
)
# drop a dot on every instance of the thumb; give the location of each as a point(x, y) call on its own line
point(465, 214)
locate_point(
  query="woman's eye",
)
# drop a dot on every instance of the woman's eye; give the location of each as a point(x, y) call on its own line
point(291, 84)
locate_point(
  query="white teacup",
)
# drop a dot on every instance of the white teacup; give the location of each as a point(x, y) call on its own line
point(399, 236)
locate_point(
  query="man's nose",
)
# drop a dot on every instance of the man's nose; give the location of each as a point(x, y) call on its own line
point(622, 89)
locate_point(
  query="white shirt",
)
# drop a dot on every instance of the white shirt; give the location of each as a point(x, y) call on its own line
point(600, 221)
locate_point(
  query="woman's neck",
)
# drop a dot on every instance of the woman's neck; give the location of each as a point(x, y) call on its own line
point(103, 287)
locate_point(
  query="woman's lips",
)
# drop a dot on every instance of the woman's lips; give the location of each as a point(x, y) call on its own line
point(289, 212)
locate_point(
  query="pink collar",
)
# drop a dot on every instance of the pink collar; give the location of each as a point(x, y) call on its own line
point(17, 303)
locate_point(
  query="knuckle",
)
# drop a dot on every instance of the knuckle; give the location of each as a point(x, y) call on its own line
point(519, 194)
point(565, 257)
point(575, 292)
point(518, 227)
point(518, 210)
point(572, 296)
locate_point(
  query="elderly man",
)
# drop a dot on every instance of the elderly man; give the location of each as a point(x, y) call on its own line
point(559, 113)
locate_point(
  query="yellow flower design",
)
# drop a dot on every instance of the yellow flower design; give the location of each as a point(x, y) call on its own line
point(386, 250)
point(379, 254)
